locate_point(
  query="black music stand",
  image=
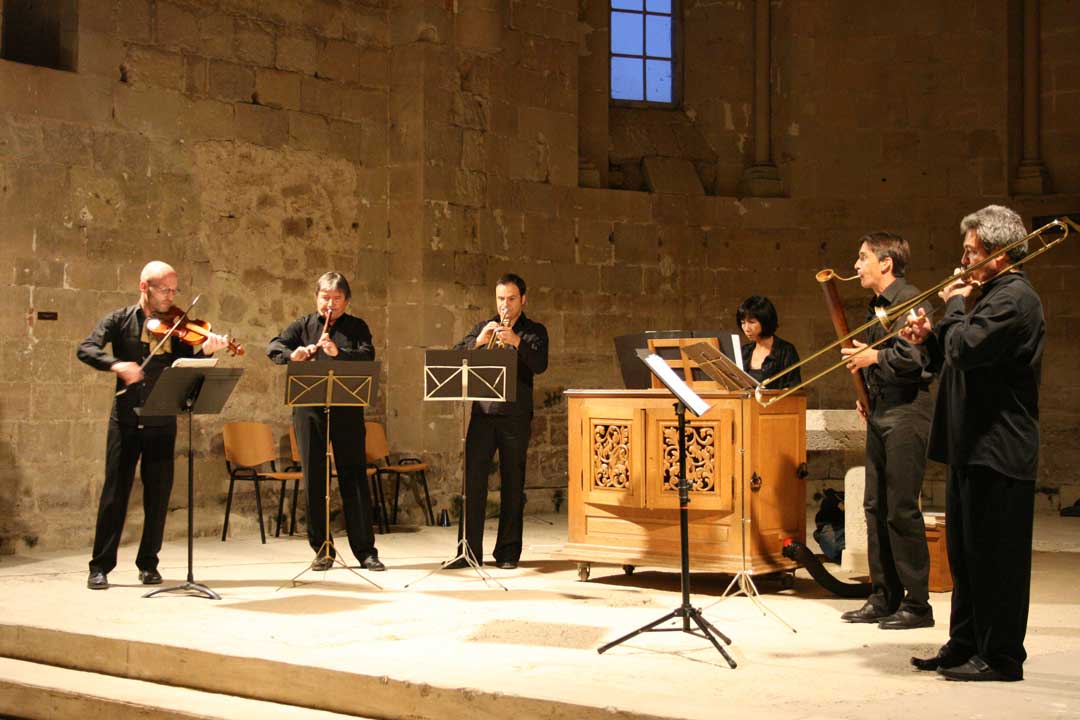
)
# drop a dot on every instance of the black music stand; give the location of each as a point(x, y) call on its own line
point(721, 369)
point(461, 376)
point(190, 391)
point(327, 384)
point(687, 398)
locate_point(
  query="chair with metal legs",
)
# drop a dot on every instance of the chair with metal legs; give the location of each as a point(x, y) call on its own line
point(378, 454)
point(293, 467)
point(249, 447)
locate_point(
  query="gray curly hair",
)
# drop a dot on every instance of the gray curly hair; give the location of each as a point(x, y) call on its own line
point(997, 226)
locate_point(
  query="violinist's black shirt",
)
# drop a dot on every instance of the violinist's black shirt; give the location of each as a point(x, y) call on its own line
point(123, 330)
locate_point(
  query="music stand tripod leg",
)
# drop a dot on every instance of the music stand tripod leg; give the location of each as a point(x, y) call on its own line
point(686, 611)
point(464, 550)
point(190, 586)
point(744, 582)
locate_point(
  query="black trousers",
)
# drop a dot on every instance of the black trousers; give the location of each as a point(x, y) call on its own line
point(899, 561)
point(988, 536)
point(509, 434)
point(124, 446)
point(347, 437)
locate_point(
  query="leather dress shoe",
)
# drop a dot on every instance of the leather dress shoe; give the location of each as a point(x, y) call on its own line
point(506, 564)
point(904, 619)
point(459, 564)
point(97, 581)
point(372, 563)
point(149, 577)
point(945, 658)
point(977, 669)
point(868, 613)
point(322, 563)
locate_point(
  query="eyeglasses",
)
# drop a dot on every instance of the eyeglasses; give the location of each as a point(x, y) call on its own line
point(165, 290)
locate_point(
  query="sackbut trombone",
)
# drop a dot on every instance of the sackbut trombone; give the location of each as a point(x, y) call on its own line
point(887, 317)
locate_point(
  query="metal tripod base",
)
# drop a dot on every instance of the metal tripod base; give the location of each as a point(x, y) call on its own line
point(687, 613)
point(464, 553)
point(190, 588)
point(337, 563)
point(743, 584)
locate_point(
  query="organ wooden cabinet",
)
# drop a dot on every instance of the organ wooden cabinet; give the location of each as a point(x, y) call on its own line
point(745, 465)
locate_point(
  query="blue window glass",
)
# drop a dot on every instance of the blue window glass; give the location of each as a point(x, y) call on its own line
point(627, 81)
point(643, 50)
point(658, 80)
point(658, 36)
point(626, 33)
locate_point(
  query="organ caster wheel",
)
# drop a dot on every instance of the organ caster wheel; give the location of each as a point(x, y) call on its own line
point(583, 571)
point(787, 580)
point(628, 569)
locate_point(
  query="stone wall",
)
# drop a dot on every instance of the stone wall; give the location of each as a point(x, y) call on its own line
point(245, 143)
point(425, 148)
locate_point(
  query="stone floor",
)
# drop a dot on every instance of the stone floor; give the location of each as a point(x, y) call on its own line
point(450, 645)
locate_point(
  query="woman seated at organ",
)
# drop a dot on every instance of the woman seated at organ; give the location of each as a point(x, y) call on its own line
point(765, 354)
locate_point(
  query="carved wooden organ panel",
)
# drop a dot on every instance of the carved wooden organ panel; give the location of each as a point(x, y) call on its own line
point(624, 462)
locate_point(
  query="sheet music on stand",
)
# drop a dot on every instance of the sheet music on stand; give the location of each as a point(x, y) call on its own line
point(674, 383)
point(720, 368)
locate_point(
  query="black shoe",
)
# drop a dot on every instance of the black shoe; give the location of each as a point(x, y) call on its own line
point(977, 669)
point(372, 563)
point(149, 577)
point(97, 581)
point(459, 564)
point(322, 563)
point(506, 564)
point(868, 613)
point(905, 619)
point(945, 658)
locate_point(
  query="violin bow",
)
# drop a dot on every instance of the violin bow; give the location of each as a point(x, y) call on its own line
point(180, 319)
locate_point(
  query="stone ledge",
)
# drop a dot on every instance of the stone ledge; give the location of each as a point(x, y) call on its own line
point(834, 430)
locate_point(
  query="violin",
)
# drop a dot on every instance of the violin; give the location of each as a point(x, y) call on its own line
point(191, 332)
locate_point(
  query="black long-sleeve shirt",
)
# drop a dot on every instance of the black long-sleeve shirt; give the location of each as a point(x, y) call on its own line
point(123, 330)
point(987, 410)
point(902, 369)
point(532, 356)
point(781, 356)
point(351, 335)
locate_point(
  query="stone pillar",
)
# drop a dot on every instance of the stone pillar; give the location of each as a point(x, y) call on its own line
point(594, 78)
point(1032, 177)
point(854, 559)
point(762, 179)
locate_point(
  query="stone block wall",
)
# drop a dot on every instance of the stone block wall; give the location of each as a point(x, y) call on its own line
point(244, 143)
point(425, 148)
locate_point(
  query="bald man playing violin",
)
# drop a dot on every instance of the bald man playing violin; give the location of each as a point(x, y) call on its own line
point(133, 437)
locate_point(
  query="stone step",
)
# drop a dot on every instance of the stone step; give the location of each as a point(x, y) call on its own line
point(33, 690)
point(285, 684)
